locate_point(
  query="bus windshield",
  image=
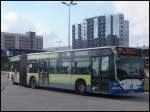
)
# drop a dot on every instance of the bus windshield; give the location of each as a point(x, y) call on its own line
point(130, 68)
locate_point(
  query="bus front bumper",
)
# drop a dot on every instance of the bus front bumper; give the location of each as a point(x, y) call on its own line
point(115, 88)
point(111, 91)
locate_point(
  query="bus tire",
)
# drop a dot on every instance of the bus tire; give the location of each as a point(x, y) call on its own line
point(80, 87)
point(14, 83)
point(33, 82)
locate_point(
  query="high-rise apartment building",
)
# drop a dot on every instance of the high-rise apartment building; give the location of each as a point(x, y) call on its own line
point(13, 44)
point(117, 26)
point(110, 30)
point(29, 41)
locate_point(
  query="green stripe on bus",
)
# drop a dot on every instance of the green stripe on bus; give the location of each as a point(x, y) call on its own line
point(62, 78)
point(68, 78)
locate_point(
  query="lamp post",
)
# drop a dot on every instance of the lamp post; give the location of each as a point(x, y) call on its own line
point(69, 4)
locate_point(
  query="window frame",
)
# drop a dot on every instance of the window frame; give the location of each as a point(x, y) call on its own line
point(81, 70)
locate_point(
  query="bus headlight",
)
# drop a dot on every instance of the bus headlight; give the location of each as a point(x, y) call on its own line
point(115, 86)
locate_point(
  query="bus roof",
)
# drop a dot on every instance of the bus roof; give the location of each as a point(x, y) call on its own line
point(54, 54)
point(111, 47)
point(15, 58)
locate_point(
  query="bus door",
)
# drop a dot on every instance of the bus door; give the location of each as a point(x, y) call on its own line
point(104, 73)
point(43, 74)
point(100, 75)
point(95, 73)
point(23, 70)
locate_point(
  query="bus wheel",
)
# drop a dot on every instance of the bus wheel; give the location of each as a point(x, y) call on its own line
point(80, 88)
point(33, 82)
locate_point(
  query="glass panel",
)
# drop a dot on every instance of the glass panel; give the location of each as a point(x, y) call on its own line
point(65, 67)
point(81, 59)
point(82, 64)
point(105, 62)
point(46, 65)
point(128, 67)
point(32, 67)
point(95, 66)
point(81, 67)
point(53, 62)
point(81, 53)
point(53, 65)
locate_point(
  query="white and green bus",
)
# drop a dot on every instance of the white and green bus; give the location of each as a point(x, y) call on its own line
point(112, 70)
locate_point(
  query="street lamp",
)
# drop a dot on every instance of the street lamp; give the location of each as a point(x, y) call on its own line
point(69, 4)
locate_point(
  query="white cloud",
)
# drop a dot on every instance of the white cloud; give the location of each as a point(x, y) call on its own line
point(40, 28)
point(137, 12)
point(11, 16)
point(54, 2)
point(8, 19)
point(50, 39)
point(17, 23)
point(13, 22)
point(96, 2)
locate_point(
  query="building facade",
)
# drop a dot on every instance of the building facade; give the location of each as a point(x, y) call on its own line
point(29, 41)
point(13, 44)
point(98, 31)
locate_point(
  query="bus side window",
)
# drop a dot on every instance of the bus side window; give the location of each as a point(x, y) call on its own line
point(95, 66)
point(46, 65)
point(64, 67)
point(81, 66)
point(40, 67)
point(30, 67)
point(105, 66)
point(33, 67)
point(53, 65)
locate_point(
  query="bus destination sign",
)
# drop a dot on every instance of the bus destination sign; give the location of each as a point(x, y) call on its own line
point(129, 51)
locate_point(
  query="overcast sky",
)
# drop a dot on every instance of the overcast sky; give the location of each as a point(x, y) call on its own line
point(50, 18)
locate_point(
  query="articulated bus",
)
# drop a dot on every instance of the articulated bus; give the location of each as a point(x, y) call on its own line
point(110, 70)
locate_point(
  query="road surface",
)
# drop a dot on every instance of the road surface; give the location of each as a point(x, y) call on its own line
point(18, 98)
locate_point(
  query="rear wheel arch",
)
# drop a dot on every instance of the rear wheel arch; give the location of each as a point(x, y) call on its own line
point(32, 78)
point(80, 80)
